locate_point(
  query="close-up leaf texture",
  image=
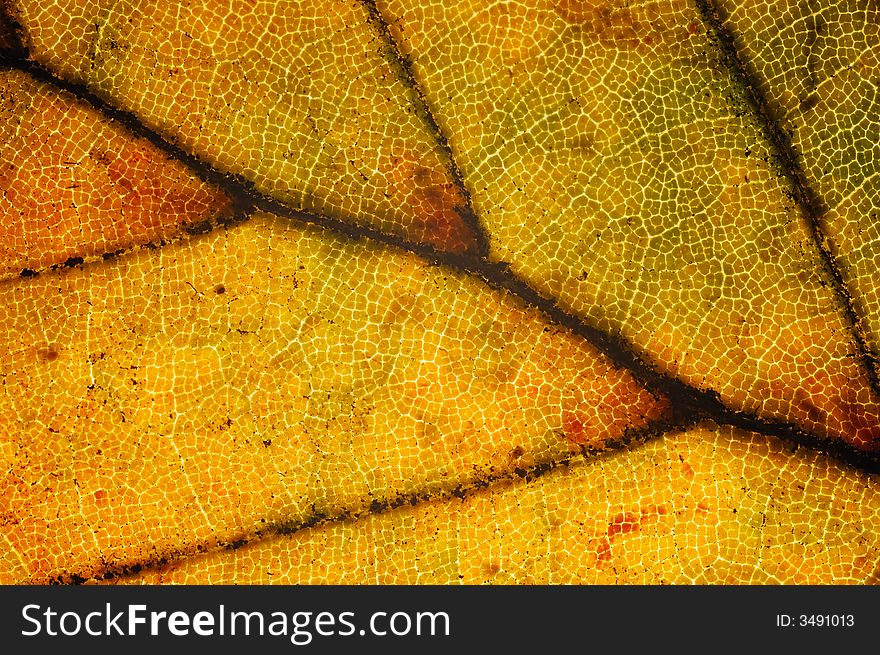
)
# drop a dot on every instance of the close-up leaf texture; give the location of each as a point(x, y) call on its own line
point(440, 291)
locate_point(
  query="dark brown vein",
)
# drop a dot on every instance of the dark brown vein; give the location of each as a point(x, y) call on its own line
point(811, 205)
point(688, 402)
point(403, 66)
point(12, 42)
point(187, 230)
point(371, 506)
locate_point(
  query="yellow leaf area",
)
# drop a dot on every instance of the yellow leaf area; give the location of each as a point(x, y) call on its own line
point(820, 66)
point(616, 169)
point(76, 185)
point(169, 401)
point(297, 97)
point(675, 510)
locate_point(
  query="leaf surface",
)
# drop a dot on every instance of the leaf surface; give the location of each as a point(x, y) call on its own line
point(675, 510)
point(387, 291)
point(76, 186)
point(173, 400)
point(296, 97)
point(819, 67)
point(618, 169)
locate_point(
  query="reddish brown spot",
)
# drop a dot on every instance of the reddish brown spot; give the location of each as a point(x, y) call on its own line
point(653, 510)
point(603, 551)
point(152, 191)
point(687, 469)
point(617, 25)
point(220, 289)
point(517, 452)
point(491, 568)
point(574, 429)
point(127, 184)
point(863, 422)
point(703, 507)
point(100, 495)
point(446, 230)
point(434, 201)
point(694, 27)
point(833, 400)
point(833, 404)
point(623, 523)
point(49, 354)
point(608, 410)
point(122, 169)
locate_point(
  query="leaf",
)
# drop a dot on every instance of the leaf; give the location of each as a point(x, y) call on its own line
point(673, 511)
point(322, 122)
point(273, 373)
point(449, 266)
point(824, 90)
point(632, 184)
point(77, 199)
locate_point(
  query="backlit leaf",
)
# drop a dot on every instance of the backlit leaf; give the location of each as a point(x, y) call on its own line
point(820, 70)
point(77, 186)
point(294, 96)
point(393, 291)
point(174, 399)
point(672, 511)
point(616, 169)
